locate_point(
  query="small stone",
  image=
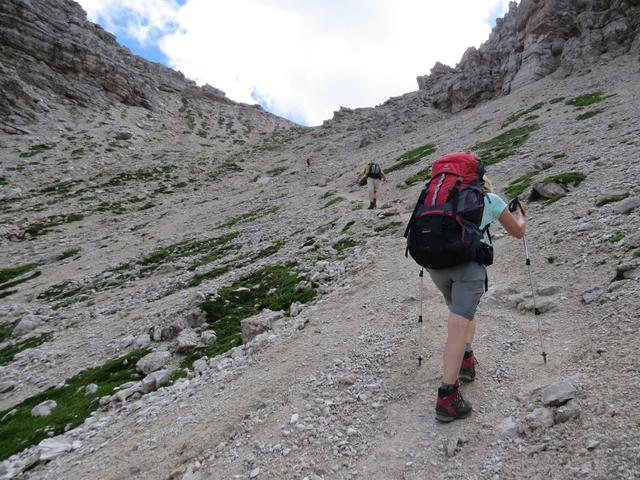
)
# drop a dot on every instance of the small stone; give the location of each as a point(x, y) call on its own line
point(254, 473)
point(610, 197)
point(90, 389)
point(509, 428)
point(540, 418)
point(592, 295)
point(347, 379)
point(208, 337)
point(123, 135)
point(44, 409)
point(196, 318)
point(558, 394)
point(451, 446)
point(200, 365)
point(294, 418)
point(593, 444)
point(142, 341)
point(567, 412)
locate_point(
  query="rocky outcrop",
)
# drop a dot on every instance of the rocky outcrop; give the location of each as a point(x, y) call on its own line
point(51, 54)
point(535, 38)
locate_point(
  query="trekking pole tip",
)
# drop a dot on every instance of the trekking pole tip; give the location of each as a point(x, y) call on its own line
point(419, 360)
point(544, 357)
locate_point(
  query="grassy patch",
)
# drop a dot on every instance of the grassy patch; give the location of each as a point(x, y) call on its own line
point(8, 352)
point(21, 430)
point(7, 330)
point(35, 149)
point(227, 167)
point(333, 201)
point(386, 226)
point(42, 228)
point(420, 176)
point(514, 117)
point(555, 198)
point(558, 156)
point(481, 126)
point(347, 226)
point(10, 273)
point(586, 99)
point(411, 157)
point(592, 113)
point(272, 287)
point(504, 145)
point(274, 172)
point(568, 178)
point(72, 252)
point(519, 185)
point(557, 99)
point(249, 217)
point(341, 245)
point(616, 237)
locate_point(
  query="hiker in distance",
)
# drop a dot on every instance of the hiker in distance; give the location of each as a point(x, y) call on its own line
point(445, 235)
point(374, 175)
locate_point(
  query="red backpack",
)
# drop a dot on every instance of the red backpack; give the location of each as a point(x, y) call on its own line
point(444, 230)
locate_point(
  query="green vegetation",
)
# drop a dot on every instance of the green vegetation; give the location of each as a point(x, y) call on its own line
point(558, 156)
point(504, 145)
point(272, 287)
point(41, 228)
point(592, 113)
point(557, 99)
point(35, 149)
point(569, 178)
point(481, 126)
point(19, 429)
point(411, 157)
point(7, 353)
point(587, 99)
point(347, 226)
point(7, 274)
point(342, 245)
point(514, 117)
point(274, 172)
point(72, 252)
point(386, 226)
point(519, 185)
point(249, 217)
point(555, 198)
point(420, 176)
point(6, 330)
point(615, 238)
point(333, 201)
point(327, 195)
point(227, 167)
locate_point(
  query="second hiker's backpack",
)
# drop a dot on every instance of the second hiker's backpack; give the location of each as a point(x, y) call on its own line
point(444, 230)
point(374, 171)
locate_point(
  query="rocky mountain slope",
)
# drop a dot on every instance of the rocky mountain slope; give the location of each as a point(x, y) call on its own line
point(193, 288)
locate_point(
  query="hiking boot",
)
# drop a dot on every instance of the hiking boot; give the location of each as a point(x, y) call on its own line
point(450, 405)
point(468, 368)
point(371, 206)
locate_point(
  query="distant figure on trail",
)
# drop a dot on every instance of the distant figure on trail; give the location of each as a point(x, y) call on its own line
point(374, 175)
point(308, 163)
point(446, 236)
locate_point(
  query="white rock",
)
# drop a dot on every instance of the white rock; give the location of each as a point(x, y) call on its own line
point(508, 427)
point(208, 337)
point(27, 324)
point(254, 473)
point(558, 394)
point(50, 448)
point(200, 365)
point(187, 340)
point(90, 389)
point(153, 361)
point(44, 409)
point(141, 341)
point(294, 418)
point(540, 418)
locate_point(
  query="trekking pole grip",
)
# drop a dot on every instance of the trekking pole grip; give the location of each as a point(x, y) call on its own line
point(515, 204)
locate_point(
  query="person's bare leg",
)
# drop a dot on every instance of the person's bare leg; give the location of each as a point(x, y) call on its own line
point(372, 196)
point(471, 331)
point(454, 348)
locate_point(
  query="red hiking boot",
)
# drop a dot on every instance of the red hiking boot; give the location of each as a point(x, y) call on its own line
point(451, 405)
point(468, 368)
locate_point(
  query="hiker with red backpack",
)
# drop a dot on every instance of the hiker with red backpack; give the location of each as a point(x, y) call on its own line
point(374, 175)
point(446, 236)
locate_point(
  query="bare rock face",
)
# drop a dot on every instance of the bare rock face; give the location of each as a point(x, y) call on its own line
point(535, 38)
point(50, 55)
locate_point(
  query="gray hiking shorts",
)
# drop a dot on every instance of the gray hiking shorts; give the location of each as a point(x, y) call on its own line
point(373, 184)
point(461, 286)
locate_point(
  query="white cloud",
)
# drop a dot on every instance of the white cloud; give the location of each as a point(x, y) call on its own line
point(308, 58)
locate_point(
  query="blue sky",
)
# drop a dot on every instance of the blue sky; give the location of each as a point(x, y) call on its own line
point(300, 59)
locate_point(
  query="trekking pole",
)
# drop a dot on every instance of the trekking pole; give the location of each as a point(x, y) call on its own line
point(420, 323)
point(515, 203)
